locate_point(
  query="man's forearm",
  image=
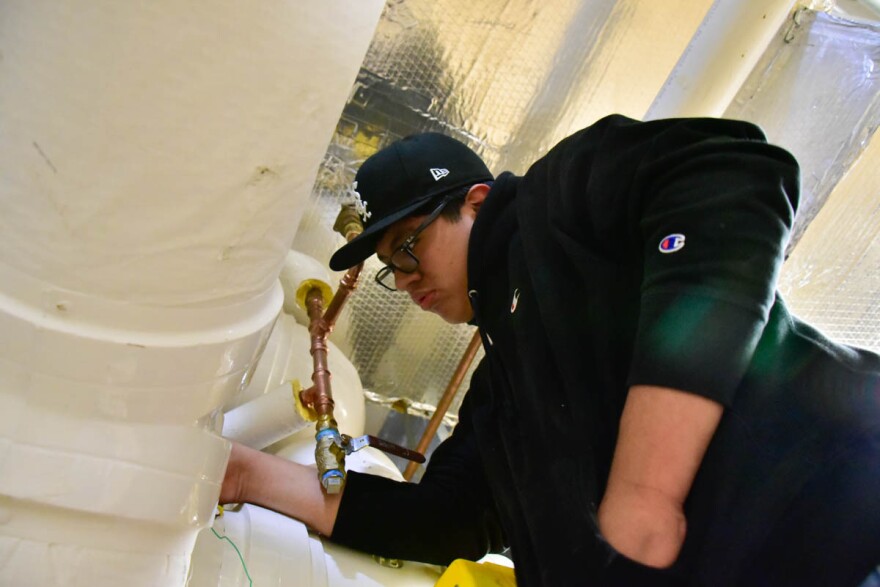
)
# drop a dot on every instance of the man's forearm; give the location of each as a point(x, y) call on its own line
point(663, 436)
point(280, 485)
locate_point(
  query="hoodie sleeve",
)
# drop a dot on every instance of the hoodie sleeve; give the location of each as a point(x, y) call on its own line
point(712, 205)
point(449, 514)
point(696, 214)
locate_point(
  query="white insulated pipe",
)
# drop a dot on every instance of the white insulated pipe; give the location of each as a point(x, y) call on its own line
point(300, 268)
point(722, 53)
point(266, 419)
point(154, 163)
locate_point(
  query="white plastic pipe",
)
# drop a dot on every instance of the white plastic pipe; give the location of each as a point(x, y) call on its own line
point(154, 162)
point(719, 58)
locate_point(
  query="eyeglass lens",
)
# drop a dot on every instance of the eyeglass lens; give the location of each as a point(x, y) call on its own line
point(403, 259)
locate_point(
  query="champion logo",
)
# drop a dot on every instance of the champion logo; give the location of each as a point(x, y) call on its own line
point(671, 243)
point(515, 301)
point(438, 173)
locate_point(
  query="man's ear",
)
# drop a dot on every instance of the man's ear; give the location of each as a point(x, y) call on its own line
point(475, 196)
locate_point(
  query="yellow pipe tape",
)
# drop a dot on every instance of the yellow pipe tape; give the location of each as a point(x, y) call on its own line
point(308, 285)
point(464, 573)
point(305, 412)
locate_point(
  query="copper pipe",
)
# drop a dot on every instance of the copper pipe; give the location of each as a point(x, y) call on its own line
point(321, 323)
point(347, 285)
point(445, 402)
point(329, 454)
point(319, 397)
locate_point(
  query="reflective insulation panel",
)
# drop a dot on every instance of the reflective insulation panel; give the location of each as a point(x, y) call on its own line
point(816, 91)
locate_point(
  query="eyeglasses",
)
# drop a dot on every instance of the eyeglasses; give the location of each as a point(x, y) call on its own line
point(403, 258)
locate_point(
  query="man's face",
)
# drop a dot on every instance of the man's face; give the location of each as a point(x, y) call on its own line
point(439, 284)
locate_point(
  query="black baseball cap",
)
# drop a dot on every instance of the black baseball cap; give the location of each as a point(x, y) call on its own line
point(397, 180)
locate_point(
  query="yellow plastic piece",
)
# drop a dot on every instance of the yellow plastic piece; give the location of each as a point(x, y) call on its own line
point(308, 285)
point(462, 573)
point(305, 412)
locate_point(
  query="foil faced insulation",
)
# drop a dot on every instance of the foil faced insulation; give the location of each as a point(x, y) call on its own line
point(816, 91)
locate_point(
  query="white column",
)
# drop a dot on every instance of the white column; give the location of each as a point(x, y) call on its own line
point(154, 162)
point(719, 58)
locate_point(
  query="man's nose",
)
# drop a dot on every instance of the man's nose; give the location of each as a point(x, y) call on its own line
point(403, 280)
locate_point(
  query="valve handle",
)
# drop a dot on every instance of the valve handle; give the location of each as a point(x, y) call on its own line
point(350, 445)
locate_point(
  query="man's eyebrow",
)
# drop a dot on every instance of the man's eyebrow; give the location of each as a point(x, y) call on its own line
point(395, 242)
point(398, 240)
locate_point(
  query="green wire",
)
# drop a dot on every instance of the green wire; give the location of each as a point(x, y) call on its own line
point(241, 558)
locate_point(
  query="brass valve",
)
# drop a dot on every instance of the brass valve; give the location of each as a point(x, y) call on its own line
point(329, 455)
point(348, 222)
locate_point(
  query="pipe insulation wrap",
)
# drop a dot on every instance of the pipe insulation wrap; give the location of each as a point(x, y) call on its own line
point(155, 159)
point(300, 268)
point(265, 420)
point(162, 153)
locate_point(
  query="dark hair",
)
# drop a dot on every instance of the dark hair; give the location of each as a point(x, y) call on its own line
point(452, 211)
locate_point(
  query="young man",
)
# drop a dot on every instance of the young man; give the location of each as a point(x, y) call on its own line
point(648, 412)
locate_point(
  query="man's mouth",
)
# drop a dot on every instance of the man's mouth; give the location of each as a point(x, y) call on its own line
point(425, 301)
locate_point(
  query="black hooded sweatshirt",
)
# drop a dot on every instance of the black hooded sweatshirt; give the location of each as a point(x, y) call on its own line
point(632, 253)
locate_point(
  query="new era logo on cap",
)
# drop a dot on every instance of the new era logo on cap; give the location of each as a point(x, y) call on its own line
point(439, 174)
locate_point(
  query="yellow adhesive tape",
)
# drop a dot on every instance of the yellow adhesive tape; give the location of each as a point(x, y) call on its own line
point(308, 285)
point(463, 573)
point(305, 412)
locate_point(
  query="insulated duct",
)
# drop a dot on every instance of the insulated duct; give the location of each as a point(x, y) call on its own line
point(154, 162)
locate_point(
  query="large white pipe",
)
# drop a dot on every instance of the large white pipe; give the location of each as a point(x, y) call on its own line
point(719, 58)
point(154, 162)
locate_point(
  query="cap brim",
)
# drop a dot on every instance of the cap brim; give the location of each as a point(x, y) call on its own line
point(364, 245)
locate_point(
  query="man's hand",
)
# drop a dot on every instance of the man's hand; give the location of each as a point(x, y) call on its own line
point(663, 436)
